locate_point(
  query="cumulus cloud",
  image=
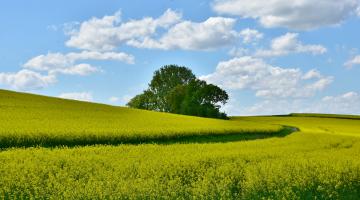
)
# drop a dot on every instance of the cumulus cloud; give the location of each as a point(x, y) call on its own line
point(80, 69)
point(250, 35)
point(26, 80)
point(70, 28)
point(55, 63)
point(169, 31)
point(80, 96)
point(94, 55)
point(312, 74)
point(210, 34)
point(266, 80)
point(354, 61)
point(275, 107)
point(296, 14)
point(289, 43)
point(96, 35)
point(107, 33)
point(347, 103)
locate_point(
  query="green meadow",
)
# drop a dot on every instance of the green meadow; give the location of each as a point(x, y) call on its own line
point(62, 149)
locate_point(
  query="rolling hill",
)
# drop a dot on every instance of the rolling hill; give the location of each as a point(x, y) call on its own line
point(53, 148)
point(33, 120)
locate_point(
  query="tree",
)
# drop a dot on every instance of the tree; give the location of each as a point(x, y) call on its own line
point(146, 101)
point(175, 89)
point(197, 98)
point(166, 79)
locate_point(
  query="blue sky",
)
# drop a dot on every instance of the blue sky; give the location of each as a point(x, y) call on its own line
point(273, 57)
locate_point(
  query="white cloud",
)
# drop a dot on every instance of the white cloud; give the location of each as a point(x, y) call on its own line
point(289, 43)
point(312, 74)
point(48, 62)
point(275, 107)
point(266, 80)
point(114, 99)
point(26, 80)
point(296, 14)
point(108, 32)
point(69, 28)
point(210, 34)
point(250, 35)
point(354, 61)
point(54, 64)
point(81, 96)
point(238, 52)
point(94, 55)
point(66, 63)
point(80, 69)
point(347, 103)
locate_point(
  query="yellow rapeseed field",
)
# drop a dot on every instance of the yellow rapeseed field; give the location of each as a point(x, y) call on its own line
point(30, 120)
point(61, 149)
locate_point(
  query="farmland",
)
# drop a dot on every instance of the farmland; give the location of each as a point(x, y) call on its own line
point(62, 149)
point(52, 122)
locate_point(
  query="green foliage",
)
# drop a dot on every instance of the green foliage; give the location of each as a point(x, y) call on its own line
point(164, 80)
point(145, 101)
point(175, 89)
point(197, 98)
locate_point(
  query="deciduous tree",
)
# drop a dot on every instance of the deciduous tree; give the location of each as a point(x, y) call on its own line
point(176, 89)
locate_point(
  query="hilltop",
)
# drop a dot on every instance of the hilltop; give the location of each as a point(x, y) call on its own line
point(32, 120)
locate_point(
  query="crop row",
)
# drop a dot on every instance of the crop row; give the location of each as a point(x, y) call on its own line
point(300, 166)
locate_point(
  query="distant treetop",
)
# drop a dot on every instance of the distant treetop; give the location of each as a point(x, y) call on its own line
point(176, 89)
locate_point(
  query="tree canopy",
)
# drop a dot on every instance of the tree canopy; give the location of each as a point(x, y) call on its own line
point(176, 89)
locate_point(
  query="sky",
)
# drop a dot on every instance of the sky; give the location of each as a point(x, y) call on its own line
point(272, 57)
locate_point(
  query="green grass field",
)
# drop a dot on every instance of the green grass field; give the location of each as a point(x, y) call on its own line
point(61, 149)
